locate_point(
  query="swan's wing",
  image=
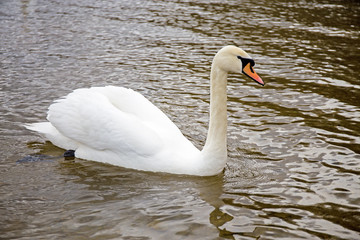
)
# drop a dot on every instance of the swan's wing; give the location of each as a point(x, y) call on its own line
point(111, 119)
point(129, 101)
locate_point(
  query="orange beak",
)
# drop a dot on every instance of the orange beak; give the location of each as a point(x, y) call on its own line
point(250, 72)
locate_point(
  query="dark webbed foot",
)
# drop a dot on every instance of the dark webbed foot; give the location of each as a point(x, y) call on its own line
point(69, 155)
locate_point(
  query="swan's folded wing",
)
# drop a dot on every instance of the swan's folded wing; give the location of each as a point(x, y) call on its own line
point(91, 118)
point(129, 101)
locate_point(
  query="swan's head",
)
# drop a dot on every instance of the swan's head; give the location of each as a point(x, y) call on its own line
point(236, 60)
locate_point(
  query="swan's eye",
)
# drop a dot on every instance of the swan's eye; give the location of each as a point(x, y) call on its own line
point(245, 61)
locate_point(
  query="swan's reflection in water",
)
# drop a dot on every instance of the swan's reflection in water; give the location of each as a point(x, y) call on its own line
point(156, 202)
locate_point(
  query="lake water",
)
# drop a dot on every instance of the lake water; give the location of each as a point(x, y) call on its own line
point(294, 145)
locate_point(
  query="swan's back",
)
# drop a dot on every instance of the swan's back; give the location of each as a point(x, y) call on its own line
point(118, 126)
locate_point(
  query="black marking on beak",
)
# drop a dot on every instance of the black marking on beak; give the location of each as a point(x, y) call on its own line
point(245, 62)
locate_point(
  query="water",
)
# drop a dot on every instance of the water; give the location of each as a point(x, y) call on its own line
point(294, 145)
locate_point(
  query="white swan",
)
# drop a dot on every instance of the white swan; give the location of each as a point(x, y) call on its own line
point(121, 127)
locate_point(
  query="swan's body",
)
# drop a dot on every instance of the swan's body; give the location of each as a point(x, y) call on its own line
point(119, 126)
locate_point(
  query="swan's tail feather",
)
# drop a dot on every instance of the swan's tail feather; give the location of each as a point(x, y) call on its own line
point(52, 134)
point(42, 127)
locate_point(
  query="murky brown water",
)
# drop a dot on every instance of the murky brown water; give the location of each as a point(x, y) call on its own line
point(294, 145)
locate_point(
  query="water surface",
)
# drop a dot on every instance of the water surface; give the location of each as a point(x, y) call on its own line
point(294, 145)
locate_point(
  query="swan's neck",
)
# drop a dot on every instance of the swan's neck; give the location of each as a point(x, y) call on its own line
point(215, 148)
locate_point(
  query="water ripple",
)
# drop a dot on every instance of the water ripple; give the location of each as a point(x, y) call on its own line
point(293, 145)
